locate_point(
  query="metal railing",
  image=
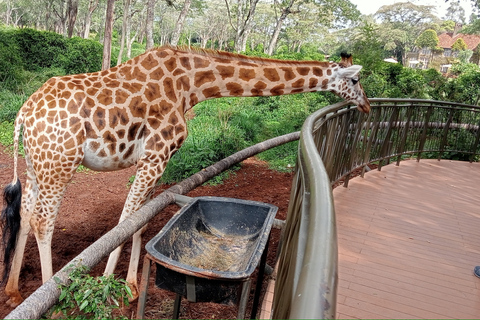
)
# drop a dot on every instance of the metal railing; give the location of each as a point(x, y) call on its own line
point(336, 141)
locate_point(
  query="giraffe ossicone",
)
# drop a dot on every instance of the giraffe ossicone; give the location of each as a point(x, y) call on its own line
point(133, 114)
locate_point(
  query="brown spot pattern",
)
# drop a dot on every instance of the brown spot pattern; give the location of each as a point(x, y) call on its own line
point(185, 62)
point(202, 77)
point(200, 62)
point(289, 74)
point(235, 89)
point(246, 74)
point(278, 89)
point(171, 64)
point(299, 83)
point(213, 92)
point(271, 74)
point(303, 71)
point(169, 89)
point(226, 71)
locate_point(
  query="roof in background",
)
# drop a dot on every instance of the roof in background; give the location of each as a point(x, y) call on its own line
point(446, 40)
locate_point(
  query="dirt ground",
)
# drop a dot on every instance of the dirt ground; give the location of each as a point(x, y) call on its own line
point(92, 206)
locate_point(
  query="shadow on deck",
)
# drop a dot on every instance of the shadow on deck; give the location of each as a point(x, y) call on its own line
point(408, 240)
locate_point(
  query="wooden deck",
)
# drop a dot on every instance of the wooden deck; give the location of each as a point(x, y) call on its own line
point(409, 238)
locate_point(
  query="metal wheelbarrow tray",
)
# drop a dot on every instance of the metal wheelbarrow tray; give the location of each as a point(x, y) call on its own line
point(211, 247)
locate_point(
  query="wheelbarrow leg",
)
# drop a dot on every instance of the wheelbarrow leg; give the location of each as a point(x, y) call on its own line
point(142, 297)
point(242, 305)
point(176, 306)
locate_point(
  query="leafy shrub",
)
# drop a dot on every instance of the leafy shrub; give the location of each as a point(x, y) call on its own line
point(40, 49)
point(10, 60)
point(88, 297)
point(209, 141)
point(82, 55)
point(10, 103)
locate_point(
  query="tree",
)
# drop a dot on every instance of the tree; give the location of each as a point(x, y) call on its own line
point(92, 5)
point(402, 23)
point(455, 12)
point(72, 10)
point(428, 39)
point(286, 9)
point(107, 38)
point(459, 45)
point(125, 25)
point(245, 13)
point(149, 23)
point(180, 22)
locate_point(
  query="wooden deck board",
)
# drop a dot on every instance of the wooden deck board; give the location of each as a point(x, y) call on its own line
point(409, 238)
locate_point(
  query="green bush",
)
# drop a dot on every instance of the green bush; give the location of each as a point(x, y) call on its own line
point(209, 140)
point(10, 103)
point(82, 55)
point(10, 61)
point(40, 49)
point(88, 297)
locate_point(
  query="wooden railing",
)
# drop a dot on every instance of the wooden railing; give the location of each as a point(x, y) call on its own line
point(335, 142)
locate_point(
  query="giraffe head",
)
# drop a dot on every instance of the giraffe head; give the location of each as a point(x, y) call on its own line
point(347, 85)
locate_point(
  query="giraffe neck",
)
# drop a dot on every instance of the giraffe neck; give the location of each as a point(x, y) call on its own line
point(191, 76)
point(228, 75)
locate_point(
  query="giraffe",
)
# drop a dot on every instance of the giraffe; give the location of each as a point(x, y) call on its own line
point(133, 114)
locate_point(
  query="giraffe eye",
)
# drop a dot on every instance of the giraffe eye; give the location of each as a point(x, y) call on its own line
point(354, 81)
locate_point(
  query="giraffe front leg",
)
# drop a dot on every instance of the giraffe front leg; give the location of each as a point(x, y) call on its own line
point(140, 191)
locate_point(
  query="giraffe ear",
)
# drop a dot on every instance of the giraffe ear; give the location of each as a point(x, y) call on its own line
point(350, 72)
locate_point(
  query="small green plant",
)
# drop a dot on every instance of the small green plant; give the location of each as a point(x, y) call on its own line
point(88, 297)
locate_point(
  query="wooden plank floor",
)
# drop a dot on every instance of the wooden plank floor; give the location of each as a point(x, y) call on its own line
point(409, 238)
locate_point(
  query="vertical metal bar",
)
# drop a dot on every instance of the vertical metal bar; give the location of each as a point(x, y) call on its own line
point(176, 306)
point(371, 139)
point(258, 287)
point(423, 138)
point(142, 297)
point(191, 294)
point(475, 144)
point(386, 146)
point(353, 148)
point(445, 134)
point(242, 306)
point(403, 140)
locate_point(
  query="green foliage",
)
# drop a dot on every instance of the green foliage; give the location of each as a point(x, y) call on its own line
point(26, 51)
point(459, 45)
point(211, 138)
point(466, 87)
point(10, 103)
point(88, 297)
point(10, 59)
point(428, 39)
point(82, 56)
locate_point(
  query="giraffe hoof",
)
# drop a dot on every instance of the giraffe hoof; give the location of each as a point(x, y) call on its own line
point(14, 301)
point(134, 290)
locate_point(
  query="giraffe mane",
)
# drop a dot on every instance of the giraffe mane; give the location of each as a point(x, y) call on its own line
point(239, 57)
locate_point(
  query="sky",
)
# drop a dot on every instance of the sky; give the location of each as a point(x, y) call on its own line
point(371, 6)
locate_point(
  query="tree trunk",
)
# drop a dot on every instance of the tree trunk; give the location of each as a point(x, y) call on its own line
point(107, 38)
point(149, 24)
point(245, 14)
point(88, 19)
point(72, 10)
point(180, 22)
point(273, 42)
point(125, 24)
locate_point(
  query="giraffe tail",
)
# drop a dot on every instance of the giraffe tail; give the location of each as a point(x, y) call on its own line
point(10, 217)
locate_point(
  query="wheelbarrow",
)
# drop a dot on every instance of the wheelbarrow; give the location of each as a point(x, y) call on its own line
point(208, 252)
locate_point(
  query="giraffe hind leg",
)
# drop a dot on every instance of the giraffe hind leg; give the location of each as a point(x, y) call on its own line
point(11, 223)
point(28, 204)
